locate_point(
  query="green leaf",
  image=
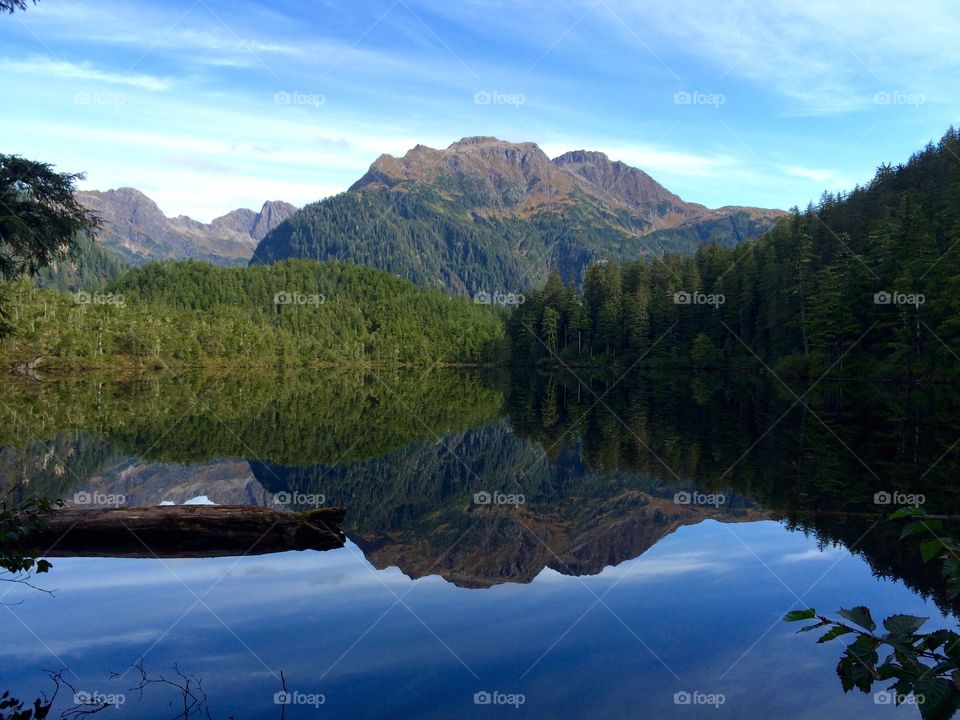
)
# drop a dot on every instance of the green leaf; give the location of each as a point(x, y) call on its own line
point(952, 647)
point(907, 512)
point(951, 568)
point(939, 699)
point(795, 615)
point(834, 632)
point(919, 527)
point(808, 628)
point(929, 549)
point(864, 646)
point(859, 616)
point(946, 638)
point(904, 624)
point(855, 671)
point(888, 670)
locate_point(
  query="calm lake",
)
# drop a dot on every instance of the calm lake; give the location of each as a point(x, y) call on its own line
point(528, 545)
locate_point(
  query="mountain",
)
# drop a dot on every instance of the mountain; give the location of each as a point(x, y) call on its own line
point(135, 230)
point(493, 215)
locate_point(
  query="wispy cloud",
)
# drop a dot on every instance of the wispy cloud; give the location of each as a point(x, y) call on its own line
point(60, 69)
point(799, 83)
point(820, 55)
point(829, 178)
point(830, 553)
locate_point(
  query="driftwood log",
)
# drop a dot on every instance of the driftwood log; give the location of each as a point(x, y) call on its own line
point(186, 531)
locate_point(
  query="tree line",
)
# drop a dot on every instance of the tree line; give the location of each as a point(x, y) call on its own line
point(863, 283)
point(293, 313)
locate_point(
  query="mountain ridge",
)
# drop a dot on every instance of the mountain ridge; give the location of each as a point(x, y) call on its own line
point(135, 230)
point(590, 167)
point(486, 212)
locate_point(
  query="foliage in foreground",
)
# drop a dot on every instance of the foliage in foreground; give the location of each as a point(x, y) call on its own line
point(40, 219)
point(18, 520)
point(924, 667)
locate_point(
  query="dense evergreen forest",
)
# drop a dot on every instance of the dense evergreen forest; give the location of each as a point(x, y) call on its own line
point(439, 239)
point(291, 313)
point(861, 284)
point(90, 267)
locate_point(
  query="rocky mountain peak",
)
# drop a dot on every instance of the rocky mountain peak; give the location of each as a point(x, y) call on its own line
point(136, 230)
point(490, 172)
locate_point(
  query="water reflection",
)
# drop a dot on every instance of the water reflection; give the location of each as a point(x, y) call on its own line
point(672, 499)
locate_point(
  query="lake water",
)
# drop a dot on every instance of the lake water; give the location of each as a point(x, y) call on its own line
point(531, 546)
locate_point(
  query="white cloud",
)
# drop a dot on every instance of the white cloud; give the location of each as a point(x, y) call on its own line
point(652, 158)
point(658, 565)
point(45, 67)
point(830, 553)
point(827, 178)
point(598, 86)
point(818, 54)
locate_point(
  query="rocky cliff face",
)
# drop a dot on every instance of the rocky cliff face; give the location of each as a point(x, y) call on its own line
point(271, 214)
point(629, 186)
point(484, 171)
point(516, 545)
point(136, 230)
point(517, 177)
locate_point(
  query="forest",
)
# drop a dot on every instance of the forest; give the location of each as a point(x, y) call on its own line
point(437, 237)
point(862, 284)
point(292, 313)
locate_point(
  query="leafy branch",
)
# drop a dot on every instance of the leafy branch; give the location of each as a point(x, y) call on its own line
point(925, 667)
point(18, 521)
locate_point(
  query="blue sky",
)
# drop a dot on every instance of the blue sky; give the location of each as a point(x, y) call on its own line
point(209, 105)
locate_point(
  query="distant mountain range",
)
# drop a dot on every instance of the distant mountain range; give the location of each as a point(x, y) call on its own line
point(135, 230)
point(481, 214)
point(485, 213)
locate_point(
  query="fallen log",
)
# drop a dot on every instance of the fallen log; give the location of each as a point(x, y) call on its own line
point(186, 531)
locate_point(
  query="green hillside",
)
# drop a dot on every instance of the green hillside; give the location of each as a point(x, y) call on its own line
point(291, 313)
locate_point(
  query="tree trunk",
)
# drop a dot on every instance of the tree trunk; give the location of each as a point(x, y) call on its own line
point(187, 531)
